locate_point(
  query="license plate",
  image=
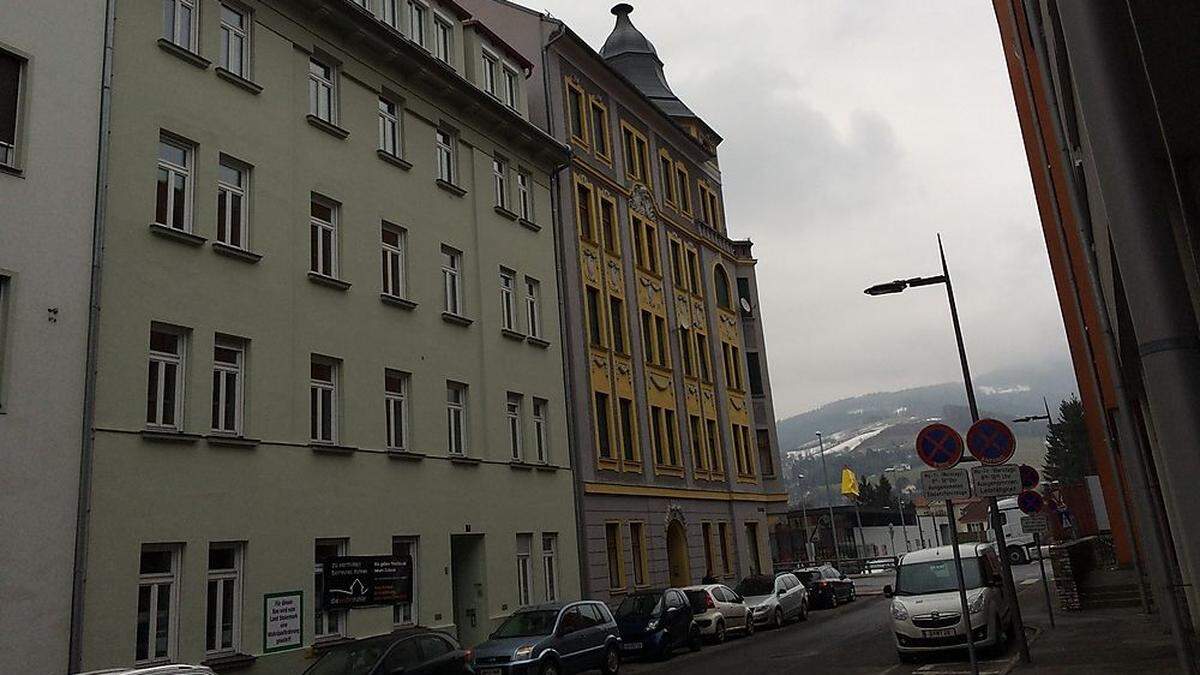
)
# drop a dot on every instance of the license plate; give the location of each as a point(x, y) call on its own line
point(944, 632)
point(631, 645)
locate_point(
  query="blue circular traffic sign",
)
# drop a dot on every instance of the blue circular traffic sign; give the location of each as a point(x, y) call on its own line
point(991, 441)
point(939, 446)
point(1030, 502)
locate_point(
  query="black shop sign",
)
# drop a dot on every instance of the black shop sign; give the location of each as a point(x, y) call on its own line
point(367, 580)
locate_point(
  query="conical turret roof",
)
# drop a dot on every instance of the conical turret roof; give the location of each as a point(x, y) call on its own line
point(633, 55)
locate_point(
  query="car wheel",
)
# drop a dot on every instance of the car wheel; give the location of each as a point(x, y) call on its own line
point(749, 624)
point(549, 667)
point(777, 620)
point(612, 661)
point(1016, 555)
point(804, 611)
point(694, 641)
point(719, 634)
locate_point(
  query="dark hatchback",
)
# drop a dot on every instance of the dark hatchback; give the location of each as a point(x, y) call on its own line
point(409, 651)
point(826, 586)
point(553, 638)
point(654, 622)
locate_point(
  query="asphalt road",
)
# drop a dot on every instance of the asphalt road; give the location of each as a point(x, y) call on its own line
point(854, 639)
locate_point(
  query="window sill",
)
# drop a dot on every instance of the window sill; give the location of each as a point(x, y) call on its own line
point(512, 334)
point(394, 160)
point(457, 319)
point(451, 187)
point(12, 170)
point(230, 441)
point(178, 235)
point(505, 212)
point(406, 455)
point(520, 466)
point(328, 127)
point(239, 81)
point(331, 448)
point(228, 662)
point(397, 301)
point(548, 468)
point(234, 252)
point(184, 53)
point(318, 278)
point(169, 436)
point(538, 342)
point(465, 461)
point(529, 225)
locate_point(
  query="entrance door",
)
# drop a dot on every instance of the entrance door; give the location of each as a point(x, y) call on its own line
point(467, 586)
point(677, 555)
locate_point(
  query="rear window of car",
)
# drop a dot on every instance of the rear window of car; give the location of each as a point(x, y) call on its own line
point(806, 578)
point(756, 585)
point(698, 600)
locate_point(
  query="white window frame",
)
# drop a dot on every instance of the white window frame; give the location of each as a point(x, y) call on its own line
point(319, 387)
point(394, 262)
point(396, 407)
point(456, 412)
point(524, 196)
point(389, 13)
point(231, 34)
point(323, 618)
point(452, 281)
point(8, 152)
point(322, 88)
point(508, 299)
point(160, 361)
point(389, 126)
point(550, 566)
point(174, 171)
point(221, 392)
point(188, 41)
point(325, 229)
point(489, 80)
point(154, 581)
point(443, 49)
point(399, 609)
point(418, 12)
point(513, 426)
point(541, 427)
point(500, 180)
point(533, 307)
point(524, 549)
point(512, 86)
point(446, 162)
point(221, 577)
point(226, 192)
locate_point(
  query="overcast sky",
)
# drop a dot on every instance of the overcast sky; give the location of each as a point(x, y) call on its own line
point(854, 133)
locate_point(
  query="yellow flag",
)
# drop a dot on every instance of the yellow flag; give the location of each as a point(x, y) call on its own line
point(849, 482)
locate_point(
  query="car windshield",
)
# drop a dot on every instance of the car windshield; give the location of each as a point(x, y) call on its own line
point(527, 624)
point(807, 577)
point(640, 605)
point(698, 600)
point(756, 585)
point(351, 659)
point(936, 576)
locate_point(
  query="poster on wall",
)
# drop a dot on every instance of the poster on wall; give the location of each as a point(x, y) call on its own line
point(283, 621)
point(367, 580)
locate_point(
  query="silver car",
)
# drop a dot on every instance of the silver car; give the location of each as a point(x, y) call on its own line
point(774, 601)
point(716, 609)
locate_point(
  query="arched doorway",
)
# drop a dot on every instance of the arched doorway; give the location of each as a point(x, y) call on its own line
point(679, 569)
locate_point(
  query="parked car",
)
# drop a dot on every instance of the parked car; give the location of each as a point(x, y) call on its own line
point(654, 622)
point(171, 669)
point(926, 609)
point(717, 609)
point(826, 586)
point(552, 638)
point(411, 651)
point(774, 600)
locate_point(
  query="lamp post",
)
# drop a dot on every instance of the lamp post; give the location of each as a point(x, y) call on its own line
point(900, 505)
point(837, 551)
point(898, 286)
point(803, 510)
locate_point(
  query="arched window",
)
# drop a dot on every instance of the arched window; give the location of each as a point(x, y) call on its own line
point(722, 281)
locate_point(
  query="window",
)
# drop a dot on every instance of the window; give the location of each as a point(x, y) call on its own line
point(393, 244)
point(765, 456)
point(600, 130)
point(511, 88)
point(158, 600)
point(395, 401)
point(714, 447)
point(735, 362)
point(656, 434)
point(533, 304)
point(488, 74)
point(639, 249)
point(524, 196)
point(628, 429)
point(637, 540)
point(743, 287)
point(667, 171)
point(652, 248)
point(752, 543)
point(648, 335)
point(608, 225)
point(224, 607)
point(710, 561)
point(322, 103)
point(575, 113)
point(391, 13)
point(456, 418)
point(232, 205)
point(5, 285)
point(416, 22)
point(660, 342)
point(508, 309)
point(541, 429)
point(524, 569)
point(755, 373)
point(451, 286)
point(327, 623)
point(603, 432)
point(512, 422)
point(721, 279)
point(672, 432)
point(685, 350)
point(164, 401)
point(235, 40)
point(645, 244)
point(699, 459)
point(173, 205)
point(702, 357)
point(595, 322)
point(228, 364)
point(389, 127)
point(550, 566)
point(616, 562)
point(723, 536)
point(179, 23)
point(616, 315)
point(10, 96)
point(677, 276)
point(443, 39)
point(682, 189)
point(323, 237)
point(405, 611)
point(445, 155)
point(322, 401)
point(694, 272)
point(710, 206)
point(583, 204)
point(637, 154)
point(500, 181)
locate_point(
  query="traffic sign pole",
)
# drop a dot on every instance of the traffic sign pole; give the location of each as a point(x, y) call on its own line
point(1037, 541)
point(1009, 586)
point(962, 589)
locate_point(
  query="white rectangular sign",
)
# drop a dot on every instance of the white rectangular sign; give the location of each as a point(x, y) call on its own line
point(283, 621)
point(946, 484)
point(997, 481)
point(1038, 524)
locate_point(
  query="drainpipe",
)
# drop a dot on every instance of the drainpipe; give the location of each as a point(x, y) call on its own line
point(1117, 99)
point(83, 507)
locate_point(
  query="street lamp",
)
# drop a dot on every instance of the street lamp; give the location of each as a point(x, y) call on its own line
point(1035, 418)
point(837, 551)
point(900, 505)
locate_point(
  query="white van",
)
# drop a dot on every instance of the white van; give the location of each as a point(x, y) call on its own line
point(926, 609)
point(1018, 545)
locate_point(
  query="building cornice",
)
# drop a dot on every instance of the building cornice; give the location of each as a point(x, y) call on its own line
point(613, 489)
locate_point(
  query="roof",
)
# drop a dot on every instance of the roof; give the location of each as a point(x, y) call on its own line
point(631, 53)
point(701, 587)
point(499, 42)
point(972, 550)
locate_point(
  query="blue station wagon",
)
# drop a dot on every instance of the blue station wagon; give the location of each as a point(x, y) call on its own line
point(552, 638)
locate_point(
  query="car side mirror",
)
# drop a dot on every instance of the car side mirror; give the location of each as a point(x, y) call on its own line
point(888, 592)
